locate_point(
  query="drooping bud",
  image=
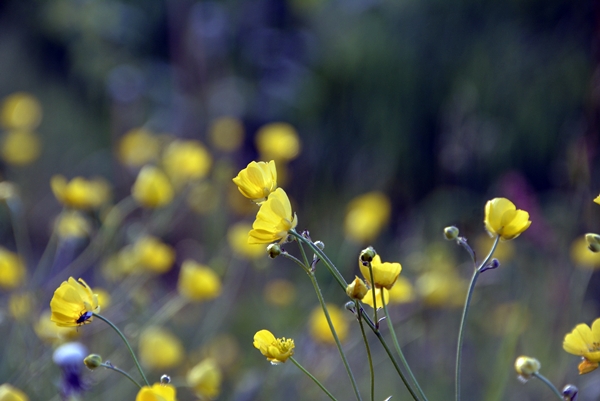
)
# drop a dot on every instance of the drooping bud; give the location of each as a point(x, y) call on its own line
point(357, 289)
point(451, 233)
point(92, 361)
point(367, 254)
point(273, 251)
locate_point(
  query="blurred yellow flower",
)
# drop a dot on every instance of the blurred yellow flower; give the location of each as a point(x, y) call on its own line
point(368, 298)
point(80, 193)
point(12, 269)
point(402, 292)
point(226, 133)
point(205, 378)
point(19, 147)
point(20, 110)
point(104, 297)
point(582, 256)
point(20, 305)
point(137, 147)
point(237, 235)
point(357, 289)
point(49, 332)
point(152, 188)
point(185, 161)
point(277, 350)
point(198, 282)
point(274, 219)
point(159, 348)
point(585, 342)
point(158, 392)
point(257, 180)
point(224, 349)
point(278, 141)
point(384, 274)
point(597, 199)
point(280, 292)
point(503, 219)
point(73, 303)
point(527, 366)
point(319, 328)
point(366, 215)
point(504, 250)
point(152, 254)
point(441, 288)
point(203, 197)
point(10, 393)
point(72, 224)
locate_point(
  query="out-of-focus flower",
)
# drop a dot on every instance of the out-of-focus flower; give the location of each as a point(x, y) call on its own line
point(226, 134)
point(8, 190)
point(384, 274)
point(277, 350)
point(137, 147)
point(366, 215)
point(503, 219)
point(20, 110)
point(585, 342)
point(224, 349)
point(20, 305)
point(104, 297)
point(10, 393)
point(527, 366)
point(237, 236)
point(504, 250)
point(49, 332)
point(80, 193)
point(159, 348)
point(205, 378)
point(152, 254)
point(158, 392)
point(73, 303)
point(581, 256)
point(441, 288)
point(597, 199)
point(185, 161)
point(506, 318)
point(274, 219)
point(368, 298)
point(257, 180)
point(152, 188)
point(319, 328)
point(402, 292)
point(69, 357)
point(203, 197)
point(12, 269)
point(20, 148)
point(198, 282)
point(280, 292)
point(357, 289)
point(278, 141)
point(72, 224)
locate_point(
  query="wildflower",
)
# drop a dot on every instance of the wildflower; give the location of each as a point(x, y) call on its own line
point(80, 193)
point(137, 147)
point(366, 215)
point(49, 332)
point(159, 348)
point(226, 133)
point(205, 378)
point(597, 199)
point(73, 303)
point(402, 291)
point(20, 111)
point(257, 180)
point(152, 254)
point(280, 292)
point(152, 188)
point(441, 288)
point(585, 342)
point(582, 256)
point(158, 392)
point(278, 141)
point(384, 274)
point(357, 289)
point(274, 219)
point(503, 219)
point(12, 269)
point(198, 282)
point(10, 393)
point(184, 161)
point(72, 224)
point(20, 147)
point(319, 327)
point(526, 367)
point(368, 298)
point(277, 350)
point(237, 236)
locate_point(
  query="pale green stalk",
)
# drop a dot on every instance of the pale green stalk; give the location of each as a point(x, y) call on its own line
point(127, 375)
point(314, 379)
point(367, 348)
point(550, 385)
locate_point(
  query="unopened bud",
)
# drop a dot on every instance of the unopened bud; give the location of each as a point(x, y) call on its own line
point(451, 233)
point(593, 241)
point(367, 254)
point(527, 366)
point(274, 250)
point(320, 245)
point(92, 361)
point(357, 289)
point(165, 379)
point(569, 392)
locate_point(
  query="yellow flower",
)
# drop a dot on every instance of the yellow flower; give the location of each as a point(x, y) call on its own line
point(158, 392)
point(585, 342)
point(441, 288)
point(12, 269)
point(184, 161)
point(20, 148)
point(277, 350)
point(356, 289)
point(198, 282)
point(366, 216)
point(581, 256)
point(319, 328)
point(20, 110)
point(138, 147)
point(104, 297)
point(402, 291)
point(49, 332)
point(504, 250)
point(257, 180)
point(73, 303)
point(278, 141)
point(20, 305)
point(503, 219)
point(274, 219)
point(597, 199)
point(368, 298)
point(72, 224)
point(152, 254)
point(80, 193)
point(527, 366)
point(384, 274)
point(280, 292)
point(152, 188)
point(237, 236)
point(10, 393)
point(205, 378)
point(159, 348)
point(226, 134)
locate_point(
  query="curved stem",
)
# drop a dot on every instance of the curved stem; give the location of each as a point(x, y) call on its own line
point(367, 348)
point(550, 385)
point(296, 260)
point(317, 382)
point(127, 375)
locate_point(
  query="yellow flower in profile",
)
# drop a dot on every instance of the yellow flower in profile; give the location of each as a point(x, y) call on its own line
point(12, 269)
point(319, 328)
point(205, 378)
point(73, 303)
point(526, 366)
point(198, 282)
point(137, 147)
point(597, 199)
point(152, 188)
point(366, 215)
point(280, 292)
point(49, 332)
point(384, 274)
point(357, 289)
point(226, 133)
point(368, 298)
point(274, 219)
point(585, 342)
point(582, 256)
point(10, 393)
point(20, 305)
point(152, 254)
point(278, 141)
point(158, 392)
point(80, 193)
point(503, 219)
point(184, 161)
point(159, 348)
point(72, 224)
point(20, 110)
point(237, 235)
point(257, 180)
point(277, 350)
point(20, 148)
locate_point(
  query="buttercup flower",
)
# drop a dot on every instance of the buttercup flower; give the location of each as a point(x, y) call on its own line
point(257, 180)
point(277, 350)
point(152, 188)
point(237, 236)
point(72, 224)
point(10, 393)
point(278, 141)
point(402, 291)
point(20, 110)
point(319, 328)
point(12, 269)
point(503, 219)
point(186, 160)
point(597, 199)
point(159, 348)
point(80, 193)
point(582, 256)
point(49, 332)
point(527, 366)
point(138, 147)
point(384, 274)
point(274, 219)
point(368, 298)
point(20, 148)
point(198, 282)
point(73, 303)
point(366, 216)
point(585, 342)
point(152, 254)
point(357, 289)
point(158, 392)
point(205, 378)
point(226, 134)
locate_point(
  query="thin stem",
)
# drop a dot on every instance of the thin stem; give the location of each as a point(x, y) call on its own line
point(549, 384)
point(317, 382)
point(296, 260)
point(374, 296)
point(127, 375)
point(303, 252)
point(115, 328)
point(367, 348)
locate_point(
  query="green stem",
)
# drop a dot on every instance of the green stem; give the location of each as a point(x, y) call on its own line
point(550, 385)
point(296, 260)
point(374, 296)
point(317, 382)
point(127, 375)
point(115, 328)
point(367, 347)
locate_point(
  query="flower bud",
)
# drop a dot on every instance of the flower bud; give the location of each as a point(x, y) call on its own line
point(451, 233)
point(165, 379)
point(357, 289)
point(527, 366)
point(92, 361)
point(273, 250)
point(593, 241)
point(367, 254)
point(569, 392)
point(320, 245)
